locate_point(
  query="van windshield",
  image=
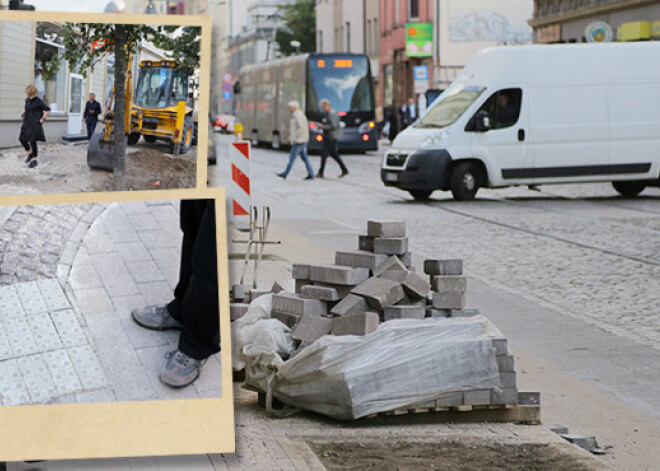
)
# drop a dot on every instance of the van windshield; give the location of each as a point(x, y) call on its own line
point(449, 107)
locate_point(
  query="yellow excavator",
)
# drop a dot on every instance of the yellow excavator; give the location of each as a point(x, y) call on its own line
point(160, 109)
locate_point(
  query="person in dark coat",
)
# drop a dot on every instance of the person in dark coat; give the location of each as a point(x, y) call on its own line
point(331, 126)
point(32, 130)
point(393, 119)
point(91, 115)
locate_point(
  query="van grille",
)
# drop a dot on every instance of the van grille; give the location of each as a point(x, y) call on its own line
point(395, 159)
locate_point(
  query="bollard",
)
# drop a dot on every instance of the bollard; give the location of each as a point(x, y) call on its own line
point(239, 153)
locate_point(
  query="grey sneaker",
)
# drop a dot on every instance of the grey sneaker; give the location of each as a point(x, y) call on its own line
point(180, 370)
point(155, 318)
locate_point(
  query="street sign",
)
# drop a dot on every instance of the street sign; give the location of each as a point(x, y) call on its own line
point(419, 39)
point(227, 86)
point(227, 96)
point(227, 77)
point(421, 78)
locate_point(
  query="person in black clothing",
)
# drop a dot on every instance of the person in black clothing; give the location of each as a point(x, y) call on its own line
point(393, 119)
point(32, 130)
point(506, 114)
point(91, 115)
point(331, 126)
point(194, 309)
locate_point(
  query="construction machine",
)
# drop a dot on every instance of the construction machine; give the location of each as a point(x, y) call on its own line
point(160, 108)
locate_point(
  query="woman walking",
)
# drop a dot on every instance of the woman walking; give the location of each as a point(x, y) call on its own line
point(32, 130)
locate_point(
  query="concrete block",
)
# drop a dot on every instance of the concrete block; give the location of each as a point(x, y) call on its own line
point(443, 267)
point(351, 304)
point(319, 292)
point(406, 259)
point(502, 396)
point(386, 229)
point(451, 400)
point(477, 397)
point(403, 311)
point(500, 345)
point(414, 285)
point(437, 313)
point(287, 319)
point(392, 263)
point(529, 398)
point(391, 246)
point(467, 312)
point(276, 288)
point(366, 243)
point(505, 363)
point(449, 300)
point(237, 310)
point(338, 275)
point(355, 324)
point(312, 328)
point(558, 429)
point(299, 285)
point(342, 290)
point(508, 380)
point(360, 259)
point(586, 442)
point(299, 271)
point(238, 293)
point(294, 304)
point(449, 283)
point(380, 292)
point(256, 293)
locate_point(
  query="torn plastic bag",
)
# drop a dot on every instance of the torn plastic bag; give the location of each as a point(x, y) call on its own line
point(255, 334)
point(403, 363)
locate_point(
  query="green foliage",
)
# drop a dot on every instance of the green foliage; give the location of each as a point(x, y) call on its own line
point(299, 25)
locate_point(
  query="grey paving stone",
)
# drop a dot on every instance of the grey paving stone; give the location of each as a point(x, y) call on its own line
point(37, 378)
point(322, 293)
point(5, 349)
point(449, 283)
point(338, 275)
point(501, 396)
point(96, 397)
point(300, 271)
point(156, 292)
point(443, 267)
point(92, 301)
point(119, 282)
point(62, 371)
point(88, 367)
point(386, 228)
point(44, 332)
point(53, 294)
point(298, 285)
point(30, 297)
point(414, 285)
point(380, 292)
point(393, 246)
point(144, 270)
point(209, 383)
point(294, 304)
point(290, 320)
point(84, 277)
point(10, 305)
point(342, 290)
point(312, 328)
point(392, 263)
point(68, 328)
point(20, 336)
point(406, 259)
point(477, 397)
point(359, 259)
point(403, 311)
point(13, 391)
point(449, 300)
point(366, 243)
point(133, 252)
point(355, 324)
point(351, 304)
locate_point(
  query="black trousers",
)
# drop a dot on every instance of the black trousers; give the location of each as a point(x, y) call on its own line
point(91, 126)
point(331, 149)
point(30, 146)
point(195, 302)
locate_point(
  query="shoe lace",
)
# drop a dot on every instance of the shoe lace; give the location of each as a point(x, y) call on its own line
point(179, 357)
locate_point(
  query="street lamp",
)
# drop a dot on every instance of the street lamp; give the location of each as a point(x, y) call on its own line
point(296, 44)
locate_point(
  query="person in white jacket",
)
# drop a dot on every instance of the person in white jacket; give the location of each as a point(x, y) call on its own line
point(299, 137)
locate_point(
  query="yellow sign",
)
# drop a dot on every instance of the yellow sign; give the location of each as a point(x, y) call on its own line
point(635, 31)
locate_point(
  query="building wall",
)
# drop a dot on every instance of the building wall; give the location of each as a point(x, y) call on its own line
point(16, 66)
point(325, 24)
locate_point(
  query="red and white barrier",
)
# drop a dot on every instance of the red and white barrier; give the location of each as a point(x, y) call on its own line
point(239, 157)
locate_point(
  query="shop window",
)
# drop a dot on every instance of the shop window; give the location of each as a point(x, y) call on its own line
point(50, 67)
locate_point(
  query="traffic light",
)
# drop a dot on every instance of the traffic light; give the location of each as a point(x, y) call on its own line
point(18, 5)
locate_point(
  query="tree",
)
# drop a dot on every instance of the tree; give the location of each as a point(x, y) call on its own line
point(299, 25)
point(87, 43)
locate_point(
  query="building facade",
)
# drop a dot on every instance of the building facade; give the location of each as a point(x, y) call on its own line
point(564, 21)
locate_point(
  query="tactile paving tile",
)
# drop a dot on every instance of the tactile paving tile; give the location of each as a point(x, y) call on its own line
point(12, 388)
point(30, 297)
point(68, 328)
point(10, 305)
point(20, 336)
point(53, 294)
point(44, 332)
point(37, 378)
point(88, 367)
point(62, 371)
point(5, 348)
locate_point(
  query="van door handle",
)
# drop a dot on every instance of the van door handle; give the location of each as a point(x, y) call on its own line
point(521, 135)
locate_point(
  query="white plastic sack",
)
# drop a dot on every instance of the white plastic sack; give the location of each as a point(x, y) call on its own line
point(404, 363)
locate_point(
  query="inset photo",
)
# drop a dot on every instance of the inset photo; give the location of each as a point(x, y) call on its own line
point(100, 106)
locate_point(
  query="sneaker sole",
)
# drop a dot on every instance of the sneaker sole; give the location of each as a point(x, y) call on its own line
point(150, 327)
point(179, 386)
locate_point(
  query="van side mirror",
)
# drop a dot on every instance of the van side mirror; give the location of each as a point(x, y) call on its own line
point(482, 121)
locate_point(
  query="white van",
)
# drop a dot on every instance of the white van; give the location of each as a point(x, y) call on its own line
point(535, 115)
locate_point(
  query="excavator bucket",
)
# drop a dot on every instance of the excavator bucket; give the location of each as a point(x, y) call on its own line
point(100, 153)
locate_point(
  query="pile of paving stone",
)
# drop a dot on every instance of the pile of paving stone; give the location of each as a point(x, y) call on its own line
point(377, 283)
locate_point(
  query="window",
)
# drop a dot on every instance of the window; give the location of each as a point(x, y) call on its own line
point(348, 37)
point(503, 108)
point(320, 41)
point(368, 38)
point(413, 9)
point(50, 67)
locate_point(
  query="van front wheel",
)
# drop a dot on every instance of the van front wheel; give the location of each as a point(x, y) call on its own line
point(629, 188)
point(465, 181)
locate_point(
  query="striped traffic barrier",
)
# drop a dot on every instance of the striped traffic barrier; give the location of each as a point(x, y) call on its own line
point(240, 183)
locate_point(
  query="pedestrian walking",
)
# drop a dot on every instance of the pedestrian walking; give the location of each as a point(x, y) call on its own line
point(194, 310)
point(32, 130)
point(298, 138)
point(409, 113)
point(331, 133)
point(393, 119)
point(91, 115)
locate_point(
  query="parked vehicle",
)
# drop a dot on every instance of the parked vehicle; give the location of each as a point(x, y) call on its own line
point(264, 90)
point(536, 115)
point(224, 123)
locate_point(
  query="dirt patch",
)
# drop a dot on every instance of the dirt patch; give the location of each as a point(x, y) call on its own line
point(464, 455)
point(149, 169)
